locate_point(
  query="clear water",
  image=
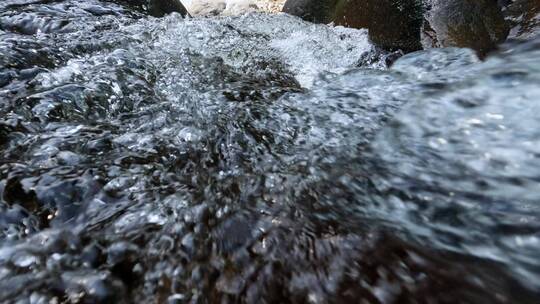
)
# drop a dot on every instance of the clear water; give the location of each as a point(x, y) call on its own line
point(259, 158)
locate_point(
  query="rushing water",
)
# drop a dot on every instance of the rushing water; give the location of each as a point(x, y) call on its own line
point(259, 158)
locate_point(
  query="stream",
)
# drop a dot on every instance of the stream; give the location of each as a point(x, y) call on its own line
point(260, 159)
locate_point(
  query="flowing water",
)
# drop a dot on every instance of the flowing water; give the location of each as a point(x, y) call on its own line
point(259, 159)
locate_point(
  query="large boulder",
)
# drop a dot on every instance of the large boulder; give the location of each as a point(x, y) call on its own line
point(410, 25)
point(476, 24)
point(392, 24)
point(159, 8)
point(318, 11)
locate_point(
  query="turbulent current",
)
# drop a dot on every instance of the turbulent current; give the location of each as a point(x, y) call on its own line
point(260, 159)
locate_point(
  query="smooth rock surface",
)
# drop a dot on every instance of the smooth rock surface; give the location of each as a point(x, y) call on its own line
point(322, 11)
point(476, 24)
point(392, 24)
point(156, 8)
point(160, 8)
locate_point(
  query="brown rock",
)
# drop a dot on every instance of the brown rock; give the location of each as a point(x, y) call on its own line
point(410, 25)
point(476, 24)
point(392, 24)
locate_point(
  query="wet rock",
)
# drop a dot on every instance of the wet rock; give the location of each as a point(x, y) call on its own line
point(318, 11)
point(392, 24)
point(524, 18)
point(410, 25)
point(476, 24)
point(159, 8)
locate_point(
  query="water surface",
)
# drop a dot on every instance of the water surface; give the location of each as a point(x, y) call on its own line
point(259, 158)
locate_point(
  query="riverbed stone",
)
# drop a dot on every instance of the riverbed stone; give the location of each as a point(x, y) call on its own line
point(392, 24)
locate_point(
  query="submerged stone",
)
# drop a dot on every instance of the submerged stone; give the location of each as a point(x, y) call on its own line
point(392, 24)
